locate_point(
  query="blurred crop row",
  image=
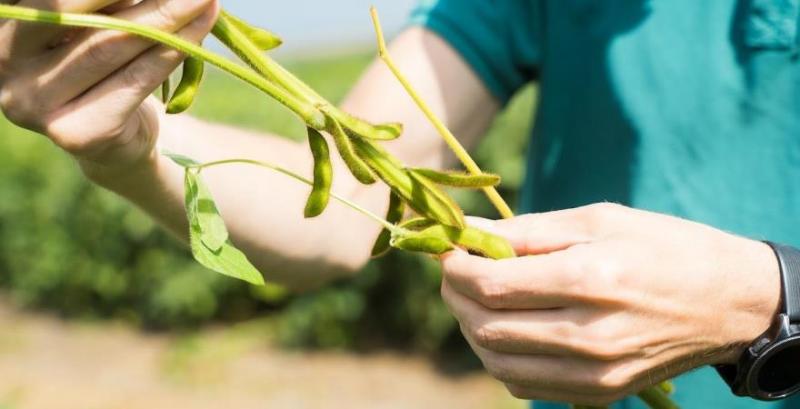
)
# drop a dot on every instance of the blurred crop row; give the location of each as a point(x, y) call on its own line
point(80, 252)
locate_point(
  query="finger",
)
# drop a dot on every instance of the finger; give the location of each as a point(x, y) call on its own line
point(76, 67)
point(120, 95)
point(555, 374)
point(531, 282)
point(539, 233)
point(21, 40)
point(544, 332)
point(547, 395)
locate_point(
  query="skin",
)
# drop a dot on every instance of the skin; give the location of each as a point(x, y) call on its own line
point(564, 321)
point(606, 300)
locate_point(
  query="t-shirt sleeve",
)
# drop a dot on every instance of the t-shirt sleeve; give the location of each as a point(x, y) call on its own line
point(499, 39)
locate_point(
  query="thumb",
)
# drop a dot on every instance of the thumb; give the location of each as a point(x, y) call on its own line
point(532, 234)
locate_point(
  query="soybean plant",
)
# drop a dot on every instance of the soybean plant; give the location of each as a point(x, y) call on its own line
point(438, 223)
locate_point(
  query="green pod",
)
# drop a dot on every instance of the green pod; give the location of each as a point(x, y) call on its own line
point(394, 215)
point(473, 240)
point(656, 398)
point(426, 192)
point(344, 145)
point(423, 242)
point(480, 242)
point(667, 387)
point(186, 91)
point(166, 87)
point(417, 224)
point(459, 179)
point(425, 199)
point(323, 175)
point(262, 38)
point(383, 132)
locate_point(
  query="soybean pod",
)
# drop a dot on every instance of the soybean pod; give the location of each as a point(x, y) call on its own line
point(459, 179)
point(186, 91)
point(426, 241)
point(166, 87)
point(262, 38)
point(323, 175)
point(439, 239)
point(344, 145)
point(417, 224)
point(393, 215)
point(428, 201)
point(382, 132)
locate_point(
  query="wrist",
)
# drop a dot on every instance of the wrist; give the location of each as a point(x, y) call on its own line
point(753, 311)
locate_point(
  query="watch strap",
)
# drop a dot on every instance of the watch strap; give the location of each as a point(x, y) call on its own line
point(789, 262)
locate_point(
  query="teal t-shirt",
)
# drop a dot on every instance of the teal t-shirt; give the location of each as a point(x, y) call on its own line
point(685, 107)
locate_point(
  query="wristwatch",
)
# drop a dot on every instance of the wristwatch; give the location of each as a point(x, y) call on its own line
point(769, 369)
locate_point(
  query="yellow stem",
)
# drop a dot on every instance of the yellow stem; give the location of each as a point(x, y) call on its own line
point(449, 138)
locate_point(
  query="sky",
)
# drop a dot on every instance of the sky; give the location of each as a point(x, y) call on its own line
point(314, 25)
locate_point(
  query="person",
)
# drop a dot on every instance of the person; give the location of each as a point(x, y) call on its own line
point(685, 114)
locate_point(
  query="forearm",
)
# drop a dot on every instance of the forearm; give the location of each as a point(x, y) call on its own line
point(263, 209)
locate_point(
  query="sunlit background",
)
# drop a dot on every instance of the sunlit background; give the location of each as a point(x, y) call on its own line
point(99, 309)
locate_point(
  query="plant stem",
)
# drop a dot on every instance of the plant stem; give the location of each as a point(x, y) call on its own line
point(389, 226)
point(449, 138)
point(309, 113)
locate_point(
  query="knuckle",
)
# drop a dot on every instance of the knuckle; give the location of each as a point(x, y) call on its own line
point(613, 382)
point(137, 79)
point(167, 14)
point(17, 106)
point(492, 293)
point(100, 51)
point(487, 336)
point(601, 214)
point(571, 280)
point(605, 351)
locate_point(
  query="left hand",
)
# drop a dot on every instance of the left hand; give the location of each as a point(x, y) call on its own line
point(605, 301)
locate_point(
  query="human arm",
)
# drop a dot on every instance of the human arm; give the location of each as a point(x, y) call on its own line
point(607, 300)
point(113, 135)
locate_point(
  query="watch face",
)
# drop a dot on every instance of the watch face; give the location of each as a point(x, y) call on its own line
point(776, 373)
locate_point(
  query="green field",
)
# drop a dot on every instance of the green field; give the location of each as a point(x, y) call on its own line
point(80, 252)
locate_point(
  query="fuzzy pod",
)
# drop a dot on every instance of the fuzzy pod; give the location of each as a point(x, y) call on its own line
point(417, 224)
point(262, 38)
point(186, 91)
point(473, 240)
point(424, 198)
point(363, 129)
point(459, 179)
point(382, 132)
point(344, 145)
point(323, 175)
point(422, 242)
point(394, 215)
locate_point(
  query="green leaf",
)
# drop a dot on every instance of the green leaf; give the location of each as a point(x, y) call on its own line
point(181, 160)
point(200, 204)
point(208, 236)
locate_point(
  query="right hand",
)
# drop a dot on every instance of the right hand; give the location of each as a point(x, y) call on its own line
point(89, 90)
